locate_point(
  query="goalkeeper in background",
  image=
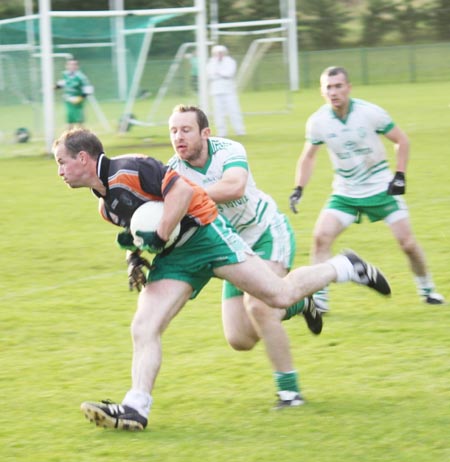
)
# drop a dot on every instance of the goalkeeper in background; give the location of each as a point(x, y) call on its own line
point(76, 88)
point(363, 183)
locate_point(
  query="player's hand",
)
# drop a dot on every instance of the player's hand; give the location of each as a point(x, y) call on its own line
point(294, 198)
point(136, 275)
point(151, 242)
point(125, 241)
point(397, 186)
point(75, 99)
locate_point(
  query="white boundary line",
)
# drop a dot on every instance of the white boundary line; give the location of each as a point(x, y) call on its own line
point(36, 290)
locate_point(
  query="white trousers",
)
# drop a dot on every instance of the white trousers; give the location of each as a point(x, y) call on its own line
point(226, 105)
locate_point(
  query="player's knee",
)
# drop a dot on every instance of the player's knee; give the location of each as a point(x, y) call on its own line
point(322, 241)
point(258, 311)
point(240, 342)
point(143, 329)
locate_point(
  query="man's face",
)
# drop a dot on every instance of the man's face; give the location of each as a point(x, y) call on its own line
point(72, 169)
point(187, 139)
point(72, 65)
point(336, 90)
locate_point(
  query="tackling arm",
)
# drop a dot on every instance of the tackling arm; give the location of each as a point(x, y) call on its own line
point(230, 187)
point(176, 205)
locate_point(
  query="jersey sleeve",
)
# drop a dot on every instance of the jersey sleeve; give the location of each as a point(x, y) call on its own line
point(313, 133)
point(380, 119)
point(237, 157)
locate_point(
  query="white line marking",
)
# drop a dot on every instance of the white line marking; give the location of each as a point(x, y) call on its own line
point(36, 290)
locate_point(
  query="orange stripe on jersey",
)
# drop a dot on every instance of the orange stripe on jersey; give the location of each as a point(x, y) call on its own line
point(202, 208)
point(130, 180)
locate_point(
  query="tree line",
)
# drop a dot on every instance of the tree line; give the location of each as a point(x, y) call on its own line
point(322, 24)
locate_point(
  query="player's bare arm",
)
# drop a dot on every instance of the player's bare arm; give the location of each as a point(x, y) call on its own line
point(176, 204)
point(401, 146)
point(305, 164)
point(230, 187)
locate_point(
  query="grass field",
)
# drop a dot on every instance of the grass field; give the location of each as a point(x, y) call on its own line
point(376, 380)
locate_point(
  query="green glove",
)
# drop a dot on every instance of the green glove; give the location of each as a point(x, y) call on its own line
point(125, 241)
point(151, 241)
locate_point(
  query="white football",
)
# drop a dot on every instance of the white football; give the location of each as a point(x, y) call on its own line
point(146, 218)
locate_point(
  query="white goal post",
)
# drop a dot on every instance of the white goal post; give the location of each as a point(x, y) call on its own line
point(45, 15)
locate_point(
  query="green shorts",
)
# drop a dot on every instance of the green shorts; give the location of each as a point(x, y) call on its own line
point(381, 206)
point(277, 244)
point(75, 113)
point(211, 246)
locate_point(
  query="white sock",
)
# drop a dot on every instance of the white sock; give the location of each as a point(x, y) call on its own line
point(139, 400)
point(343, 267)
point(424, 282)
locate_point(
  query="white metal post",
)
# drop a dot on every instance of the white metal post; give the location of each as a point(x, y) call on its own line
point(202, 53)
point(292, 46)
point(120, 50)
point(47, 72)
point(214, 19)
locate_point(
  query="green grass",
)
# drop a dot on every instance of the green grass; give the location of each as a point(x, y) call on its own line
point(376, 380)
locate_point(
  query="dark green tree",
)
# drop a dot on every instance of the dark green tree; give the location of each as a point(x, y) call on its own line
point(407, 20)
point(439, 18)
point(322, 23)
point(377, 21)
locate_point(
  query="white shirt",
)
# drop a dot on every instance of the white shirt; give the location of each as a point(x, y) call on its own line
point(221, 75)
point(355, 147)
point(251, 214)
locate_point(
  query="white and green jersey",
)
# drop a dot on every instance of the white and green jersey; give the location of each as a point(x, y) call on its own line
point(75, 84)
point(251, 214)
point(355, 147)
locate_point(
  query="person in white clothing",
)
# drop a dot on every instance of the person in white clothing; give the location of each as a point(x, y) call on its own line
point(363, 183)
point(221, 70)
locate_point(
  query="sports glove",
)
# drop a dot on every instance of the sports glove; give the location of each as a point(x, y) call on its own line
point(136, 275)
point(398, 185)
point(294, 198)
point(151, 242)
point(125, 241)
point(75, 99)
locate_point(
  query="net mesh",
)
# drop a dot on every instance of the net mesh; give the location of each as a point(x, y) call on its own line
point(167, 77)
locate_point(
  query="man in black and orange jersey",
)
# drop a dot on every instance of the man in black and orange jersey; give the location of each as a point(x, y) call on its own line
point(207, 247)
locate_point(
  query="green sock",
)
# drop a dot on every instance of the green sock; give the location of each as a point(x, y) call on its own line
point(286, 381)
point(294, 310)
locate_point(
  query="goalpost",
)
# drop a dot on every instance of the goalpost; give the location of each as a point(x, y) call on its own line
point(116, 71)
point(276, 38)
point(47, 70)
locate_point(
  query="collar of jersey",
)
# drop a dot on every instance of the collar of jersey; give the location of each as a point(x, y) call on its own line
point(102, 171)
point(344, 120)
point(203, 169)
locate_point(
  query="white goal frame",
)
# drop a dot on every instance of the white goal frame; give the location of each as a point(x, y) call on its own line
point(45, 15)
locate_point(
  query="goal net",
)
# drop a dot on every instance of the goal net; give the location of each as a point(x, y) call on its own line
point(262, 68)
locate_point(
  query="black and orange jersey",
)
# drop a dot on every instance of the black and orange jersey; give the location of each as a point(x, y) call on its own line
point(133, 179)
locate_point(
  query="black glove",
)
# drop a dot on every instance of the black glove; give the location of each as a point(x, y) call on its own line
point(136, 276)
point(294, 198)
point(125, 241)
point(151, 241)
point(398, 185)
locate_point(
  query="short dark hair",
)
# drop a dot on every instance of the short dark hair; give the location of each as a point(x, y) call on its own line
point(202, 118)
point(333, 71)
point(80, 139)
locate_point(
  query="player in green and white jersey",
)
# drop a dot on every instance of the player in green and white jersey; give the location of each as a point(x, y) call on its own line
point(221, 167)
point(363, 183)
point(76, 88)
